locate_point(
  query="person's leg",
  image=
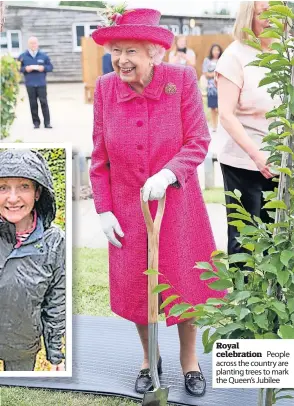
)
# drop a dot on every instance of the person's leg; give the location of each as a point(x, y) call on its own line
point(32, 93)
point(188, 357)
point(143, 334)
point(42, 94)
point(214, 118)
point(27, 364)
point(249, 183)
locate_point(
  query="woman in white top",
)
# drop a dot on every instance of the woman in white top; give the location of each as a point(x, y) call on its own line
point(242, 107)
point(182, 55)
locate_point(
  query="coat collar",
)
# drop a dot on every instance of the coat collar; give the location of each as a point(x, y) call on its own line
point(152, 91)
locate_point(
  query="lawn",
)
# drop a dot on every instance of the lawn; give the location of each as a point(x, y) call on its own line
point(90, 296)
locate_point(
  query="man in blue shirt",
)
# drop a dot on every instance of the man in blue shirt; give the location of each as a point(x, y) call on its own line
point(35, 65)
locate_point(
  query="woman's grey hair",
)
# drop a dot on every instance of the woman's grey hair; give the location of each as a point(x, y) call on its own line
point(155, 51)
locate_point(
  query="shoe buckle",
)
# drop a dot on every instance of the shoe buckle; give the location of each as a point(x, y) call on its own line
point(201, 377)
point(189, 376)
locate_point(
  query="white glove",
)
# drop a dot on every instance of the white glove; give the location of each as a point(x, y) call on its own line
point(155, 187)
point(110, 225)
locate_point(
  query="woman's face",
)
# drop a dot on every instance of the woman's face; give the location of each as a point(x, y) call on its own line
point(131, 61)
point(215, 52)
point(181, 42)
point(259, 25)
point(17, 200)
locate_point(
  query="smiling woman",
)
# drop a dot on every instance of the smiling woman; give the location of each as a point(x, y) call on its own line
point(32, 263)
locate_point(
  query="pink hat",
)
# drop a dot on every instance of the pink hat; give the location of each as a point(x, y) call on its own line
point(138, 24)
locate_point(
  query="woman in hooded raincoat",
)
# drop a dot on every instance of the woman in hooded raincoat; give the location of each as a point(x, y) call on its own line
point(150, 132)
point(32, 263)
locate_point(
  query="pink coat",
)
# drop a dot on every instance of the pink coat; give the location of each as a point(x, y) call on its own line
point(135, 136)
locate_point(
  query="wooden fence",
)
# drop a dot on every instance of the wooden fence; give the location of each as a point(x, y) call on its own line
point(92, 57)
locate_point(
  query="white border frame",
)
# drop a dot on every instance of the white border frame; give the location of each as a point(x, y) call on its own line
point(68, 264)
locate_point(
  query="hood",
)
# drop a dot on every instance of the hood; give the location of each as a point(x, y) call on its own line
point(29, 164)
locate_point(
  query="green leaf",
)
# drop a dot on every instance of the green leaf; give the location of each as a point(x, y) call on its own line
point(267, 59)
point(244, 312)
point(231, 194)
point(215, 302)
point(237, 223)
point(283, 277)
point(161, 288)
point(238, 193)
point(229, 328)
point(267, 80)
point(275, 204)
point(250, 32)
point(285, 121)
point(287, 171)
point(222, 269)
point(208, 275)
point(190, 315)
point(240, 257)
point(253, 44)
point(286, 332)
point(203, 265)
point(239, 280)
point(283, 10)
point(240, 217)
point(242, 296)
point(205, 337)
point(168, 301)
point(253, 300)
point(261, 320)
point(270, 336)
point(286, 255)
point(179, 309)
point(258, 309)
point(221, 284)
point(151, 272)
point(277, 22)
point(279, 306)
point(276, 46)
point(217, 253)
point(284, 397)
point(275, 124)
point(284, 148)
point(290, 305)
point(269, 34)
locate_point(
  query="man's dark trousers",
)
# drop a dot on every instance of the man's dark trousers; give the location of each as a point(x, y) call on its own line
point(35, 93)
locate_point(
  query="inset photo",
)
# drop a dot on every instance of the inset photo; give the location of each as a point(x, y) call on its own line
point(35, 260)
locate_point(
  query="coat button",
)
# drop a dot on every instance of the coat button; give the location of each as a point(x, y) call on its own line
point(141, 170)
point(140, 147)
point(140, 100)
point(139, 123)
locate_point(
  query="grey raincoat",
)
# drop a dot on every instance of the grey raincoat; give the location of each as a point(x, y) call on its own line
point(32, 277)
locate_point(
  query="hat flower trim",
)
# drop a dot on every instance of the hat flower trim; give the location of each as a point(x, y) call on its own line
point(113, 15)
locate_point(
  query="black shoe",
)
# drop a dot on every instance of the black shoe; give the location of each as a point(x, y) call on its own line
point(48, 126)
point(195, 383)
point(144, 382)
point(36, 126)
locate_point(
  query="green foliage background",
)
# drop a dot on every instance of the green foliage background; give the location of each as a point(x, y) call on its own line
point(56, 160)
point(10, 78)
point(96, 4)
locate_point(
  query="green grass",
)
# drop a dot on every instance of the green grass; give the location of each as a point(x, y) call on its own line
point(33, 397)
point(215, 195)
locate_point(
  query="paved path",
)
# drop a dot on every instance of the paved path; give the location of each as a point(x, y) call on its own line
point(87, 230)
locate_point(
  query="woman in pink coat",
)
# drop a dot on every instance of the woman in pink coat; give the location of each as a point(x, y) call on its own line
point(150, 132)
